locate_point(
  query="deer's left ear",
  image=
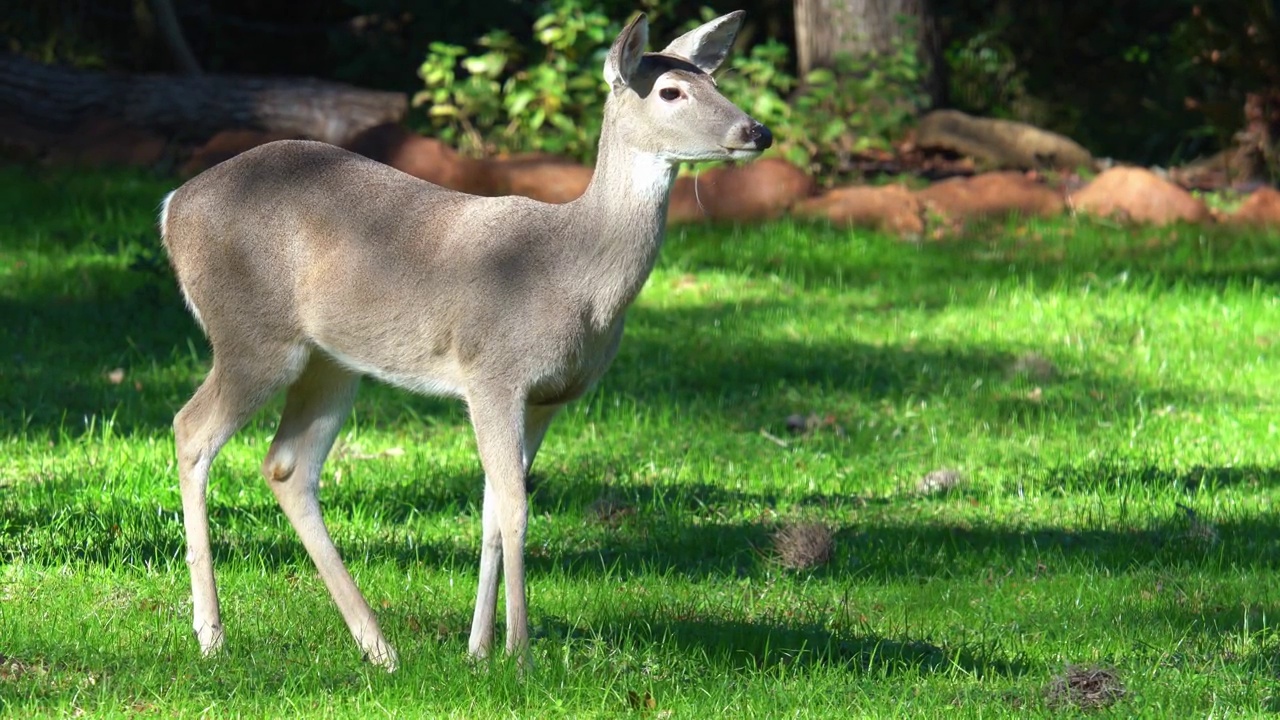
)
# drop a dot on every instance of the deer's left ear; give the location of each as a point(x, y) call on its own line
point(708, 45)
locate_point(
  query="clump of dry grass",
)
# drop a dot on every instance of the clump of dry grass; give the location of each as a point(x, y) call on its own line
point(939, 481)
point(1087, 687)
point(1034, 366)
point(799, 424)
point(610, 509)
point(1199, 531)
point(12, 668)
point(803, 545)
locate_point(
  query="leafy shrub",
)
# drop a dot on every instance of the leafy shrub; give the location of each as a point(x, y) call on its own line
point(501, 99)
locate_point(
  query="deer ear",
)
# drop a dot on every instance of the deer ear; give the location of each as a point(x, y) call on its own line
point(624, 56)
point(708, 45)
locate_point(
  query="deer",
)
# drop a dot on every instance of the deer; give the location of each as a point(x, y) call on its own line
point(308, 267)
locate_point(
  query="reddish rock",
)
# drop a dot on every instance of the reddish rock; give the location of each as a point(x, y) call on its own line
point(761, 190)
point(991, 195)
point(426, 158)
point(1138, 195)
point(108, 142)
point(1262, 207)
point(226, 145)
point(546, 178)
point(21, 141)
point(892, 208)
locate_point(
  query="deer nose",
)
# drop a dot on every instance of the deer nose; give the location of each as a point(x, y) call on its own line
point(759, 135)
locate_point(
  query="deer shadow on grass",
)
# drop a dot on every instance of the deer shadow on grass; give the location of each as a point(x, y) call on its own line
point(73, 327)
point(693, 531)
point(758, 646)
point(65, 349)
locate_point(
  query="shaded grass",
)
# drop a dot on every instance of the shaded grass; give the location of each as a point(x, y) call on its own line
point(1109, 396)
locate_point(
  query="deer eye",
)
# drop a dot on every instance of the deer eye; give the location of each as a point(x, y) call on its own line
point(670, 94)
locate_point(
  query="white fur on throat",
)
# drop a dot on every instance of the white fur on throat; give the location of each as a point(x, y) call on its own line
point(651, 177)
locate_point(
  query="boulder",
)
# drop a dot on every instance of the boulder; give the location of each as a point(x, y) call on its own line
point(226, 145)
point(1138, 195)
point(105, 142)
point(760, 190)
point(1262, 207)
point(1002, 144)
point(991, 195)
point(426, 158)
point(547, 178)
point(891, 208)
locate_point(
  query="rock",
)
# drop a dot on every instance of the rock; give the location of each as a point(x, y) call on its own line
point(226, 145)
point(1000, 143)
point(761, 190)
point(547, 178)
point(21, 141)
point(103, 142)
point(1262, 207)
point(425, 158)
point(892, 208)
point(991, 195)
point(1138, 195)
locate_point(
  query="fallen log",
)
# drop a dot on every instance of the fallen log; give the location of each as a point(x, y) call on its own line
point(59, 99)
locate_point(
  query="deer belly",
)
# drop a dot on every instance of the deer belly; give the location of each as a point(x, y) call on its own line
point(437, 377)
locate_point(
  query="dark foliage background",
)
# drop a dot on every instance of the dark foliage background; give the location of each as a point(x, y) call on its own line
point(1144, 80)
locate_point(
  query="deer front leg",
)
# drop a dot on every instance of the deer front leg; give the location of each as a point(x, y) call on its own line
point(537, 420)
point(498, 417)
point(487, 590)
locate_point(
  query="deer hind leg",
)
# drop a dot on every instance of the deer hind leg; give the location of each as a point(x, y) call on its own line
point(231, 393)
point(316, 406)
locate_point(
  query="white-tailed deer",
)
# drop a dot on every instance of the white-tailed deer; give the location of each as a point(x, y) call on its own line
point(309, 266)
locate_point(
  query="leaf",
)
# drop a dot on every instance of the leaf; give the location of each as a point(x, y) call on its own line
point(550, 36)
point(821, 76)
point(638, 702)
point(562, 121)
point(517, 101)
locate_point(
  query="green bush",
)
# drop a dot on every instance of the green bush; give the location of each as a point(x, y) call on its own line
point(502, 98)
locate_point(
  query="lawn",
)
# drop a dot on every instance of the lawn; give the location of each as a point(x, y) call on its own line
point(1106, 400)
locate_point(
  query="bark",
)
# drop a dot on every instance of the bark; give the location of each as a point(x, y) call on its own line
point(827, 28)
point(58, 99)
point(171, 31)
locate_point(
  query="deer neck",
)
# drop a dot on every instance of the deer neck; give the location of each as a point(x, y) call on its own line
point(620, 221)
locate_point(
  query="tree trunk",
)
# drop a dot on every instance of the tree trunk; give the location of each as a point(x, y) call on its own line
point(58, 99)
point(171, 31)
point(827, 28)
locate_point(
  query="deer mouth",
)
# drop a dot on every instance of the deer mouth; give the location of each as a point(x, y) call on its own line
point(742, 153)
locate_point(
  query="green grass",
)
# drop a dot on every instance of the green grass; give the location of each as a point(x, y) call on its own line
point(1110, 396)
